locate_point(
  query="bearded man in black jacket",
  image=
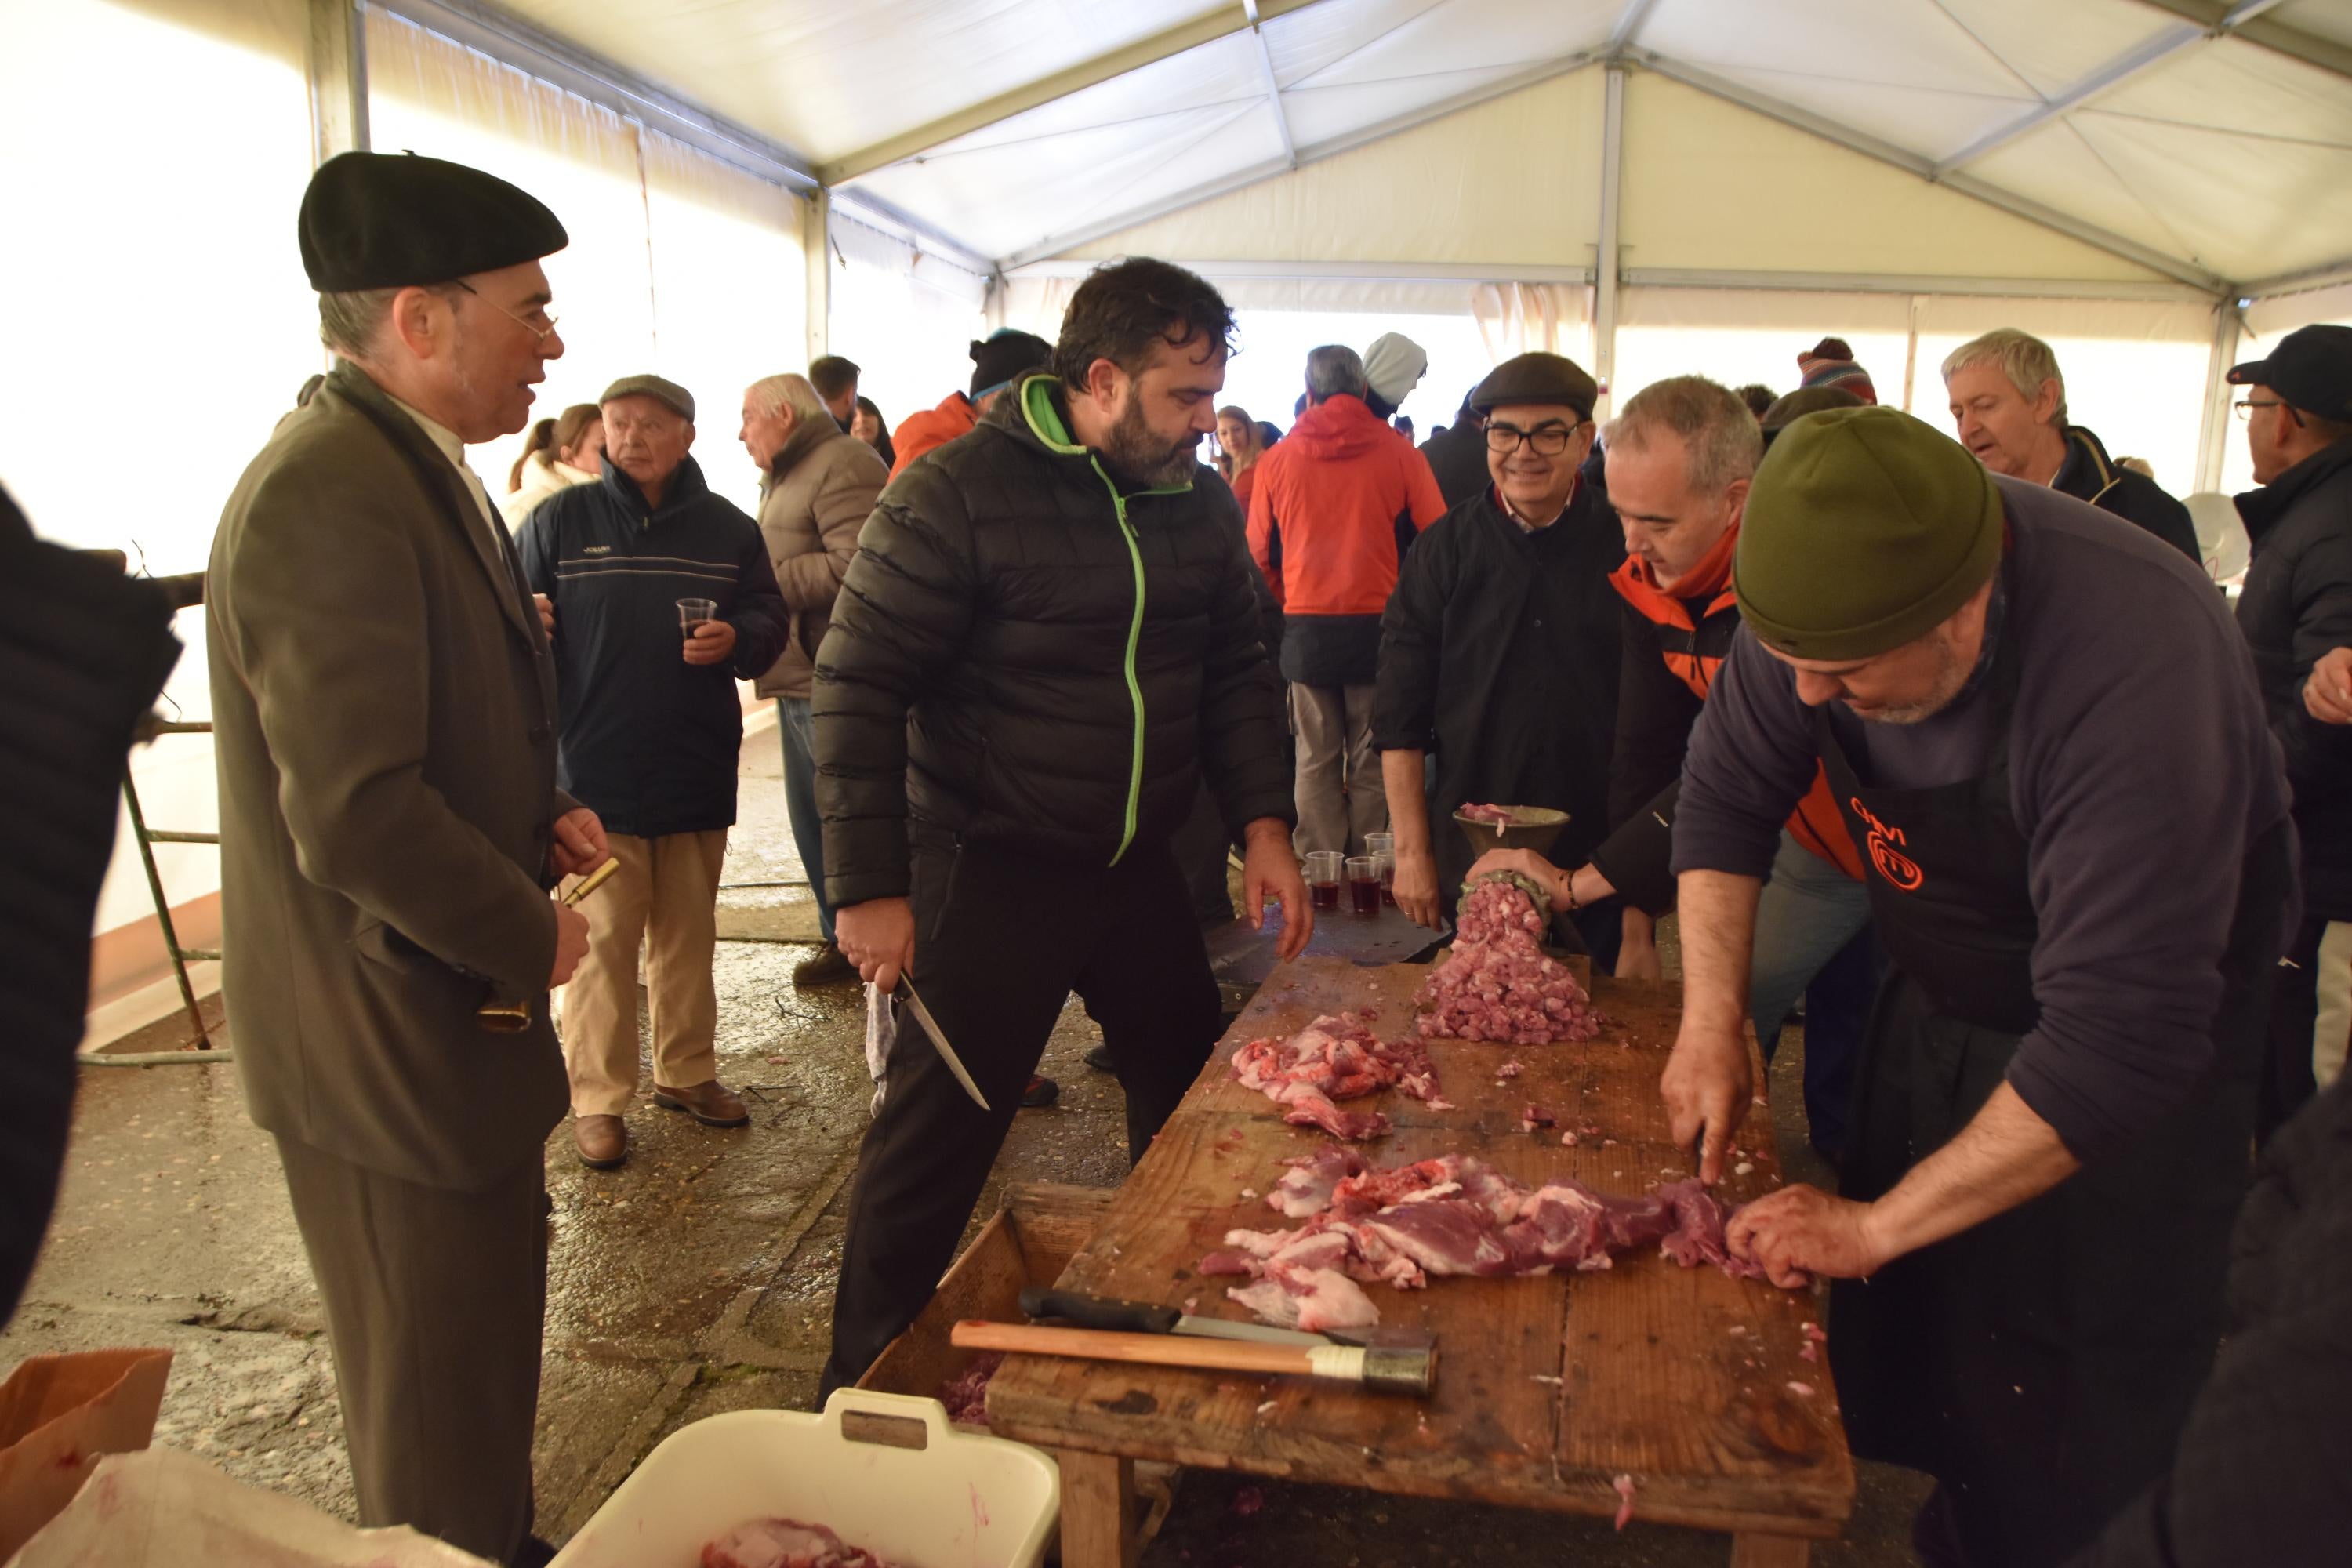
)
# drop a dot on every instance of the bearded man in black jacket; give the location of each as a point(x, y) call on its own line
point(1048, 639)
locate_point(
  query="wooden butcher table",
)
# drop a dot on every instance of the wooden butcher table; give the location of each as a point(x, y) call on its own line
point(1547, 1389)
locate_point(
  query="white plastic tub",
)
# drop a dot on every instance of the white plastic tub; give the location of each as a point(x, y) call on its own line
point(885, 1471)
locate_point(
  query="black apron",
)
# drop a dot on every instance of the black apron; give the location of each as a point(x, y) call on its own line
point(2039, 1365)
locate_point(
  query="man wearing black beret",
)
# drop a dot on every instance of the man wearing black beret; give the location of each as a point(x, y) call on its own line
point(383, 709)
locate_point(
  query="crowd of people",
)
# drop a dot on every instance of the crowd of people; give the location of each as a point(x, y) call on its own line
point(1948, 734)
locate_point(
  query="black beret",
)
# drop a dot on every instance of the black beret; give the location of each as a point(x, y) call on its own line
point(377, 220)
point(1537, 378)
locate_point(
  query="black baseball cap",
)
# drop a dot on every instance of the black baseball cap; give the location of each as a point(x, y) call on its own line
point(2310, 368)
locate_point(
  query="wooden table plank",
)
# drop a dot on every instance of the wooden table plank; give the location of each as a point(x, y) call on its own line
point(1548, 1388)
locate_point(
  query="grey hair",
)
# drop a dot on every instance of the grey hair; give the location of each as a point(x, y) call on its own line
point(794, 392)
point(1713, 421)
point(1333, 369)
point(2026, 360)
point(350, 322)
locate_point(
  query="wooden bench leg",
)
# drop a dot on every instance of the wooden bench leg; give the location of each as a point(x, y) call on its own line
point(1749, 1549)
point(1099, 1511)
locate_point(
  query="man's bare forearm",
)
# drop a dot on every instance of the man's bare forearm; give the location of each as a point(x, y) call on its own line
point(1719, 938)
point(1402, 776)
point(2004, 1156)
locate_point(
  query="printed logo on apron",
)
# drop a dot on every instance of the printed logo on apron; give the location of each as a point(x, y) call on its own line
point(1900, 871)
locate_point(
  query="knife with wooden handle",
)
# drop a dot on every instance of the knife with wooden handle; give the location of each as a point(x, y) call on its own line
point(1375, 1368)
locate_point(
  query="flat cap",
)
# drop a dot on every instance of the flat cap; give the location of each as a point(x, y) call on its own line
point(668, 393)
point(391, 220)
point(1866, 529)
point(1537, 378)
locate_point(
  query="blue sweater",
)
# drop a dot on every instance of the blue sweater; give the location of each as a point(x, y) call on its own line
point(2141, 773)
point(647, 741)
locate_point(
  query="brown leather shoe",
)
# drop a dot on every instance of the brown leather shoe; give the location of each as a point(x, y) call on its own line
point(602, 1141)
point(713, 1104)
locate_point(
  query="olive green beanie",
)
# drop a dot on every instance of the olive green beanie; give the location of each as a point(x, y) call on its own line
point(1864, 530)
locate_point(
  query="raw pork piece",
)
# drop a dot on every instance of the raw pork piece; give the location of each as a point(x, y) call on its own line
point(1499, 984)
point(1332, 1059)
point(966, 1397)
point(1313, 1300)
point(784, 1543)
point(1450, 1215)
point(1307, 1185)
point(1500, 815)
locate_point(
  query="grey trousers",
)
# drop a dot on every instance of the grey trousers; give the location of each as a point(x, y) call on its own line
point(1339, 793)
point(434, 1300)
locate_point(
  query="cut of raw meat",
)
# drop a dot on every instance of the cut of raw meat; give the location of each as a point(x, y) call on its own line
point(966, 1397)
point(1451, 1216)
point(1334, 1058)
point(1500, 815)
point(1499, 984)
point(784, 1543)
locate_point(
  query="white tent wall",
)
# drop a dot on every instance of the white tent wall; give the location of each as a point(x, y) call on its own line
point(153, 351)
point(903, 315)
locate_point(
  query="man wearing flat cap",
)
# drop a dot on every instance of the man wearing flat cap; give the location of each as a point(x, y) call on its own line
point(660, 596)
point(1499, 648)
point(2296, 613)
point(2046, 741)
point(383, 711)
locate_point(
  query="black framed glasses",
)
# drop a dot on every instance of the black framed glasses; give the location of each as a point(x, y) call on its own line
point(1548, 440)
point(536, 331)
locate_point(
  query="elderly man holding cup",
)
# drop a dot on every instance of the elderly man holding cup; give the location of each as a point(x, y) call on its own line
point(656, 591)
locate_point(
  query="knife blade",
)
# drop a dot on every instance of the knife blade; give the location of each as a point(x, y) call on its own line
point(1107, 1313)
point(940, 1039)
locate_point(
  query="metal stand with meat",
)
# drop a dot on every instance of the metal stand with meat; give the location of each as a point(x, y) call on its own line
point(1336, 1058)
point(1499, 984)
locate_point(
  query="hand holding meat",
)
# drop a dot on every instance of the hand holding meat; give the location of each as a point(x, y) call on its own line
point(571, 944)
point(711, 643)
point(1269, 870)
point(2327, 695)
point(579, 846)
point(1707, 1085)
point(879, 936)
point(1526, 863)
point(1797, 1233)
point(1415, 887)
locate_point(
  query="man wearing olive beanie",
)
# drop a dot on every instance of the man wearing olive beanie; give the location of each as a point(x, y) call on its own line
point(2050, 751)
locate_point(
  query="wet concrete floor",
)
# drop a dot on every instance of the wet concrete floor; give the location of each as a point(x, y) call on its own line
point(695, 1279)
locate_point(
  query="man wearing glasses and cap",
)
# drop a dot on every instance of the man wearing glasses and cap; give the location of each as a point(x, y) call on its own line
point(383, 711)
point(2296, 613)
point(2046, 743)
point(1499, 648)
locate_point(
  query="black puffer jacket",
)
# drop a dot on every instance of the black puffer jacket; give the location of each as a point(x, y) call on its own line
point(2088, 474)
point(2259, 1475)
point(1025, 658)
point(2297, 605)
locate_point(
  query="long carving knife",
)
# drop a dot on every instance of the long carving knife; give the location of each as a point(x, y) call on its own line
point(940, 1039)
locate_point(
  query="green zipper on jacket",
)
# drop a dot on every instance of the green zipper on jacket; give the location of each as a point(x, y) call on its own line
point(1037, 408)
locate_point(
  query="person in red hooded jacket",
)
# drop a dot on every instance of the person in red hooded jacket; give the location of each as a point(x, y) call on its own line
point(1334, 508)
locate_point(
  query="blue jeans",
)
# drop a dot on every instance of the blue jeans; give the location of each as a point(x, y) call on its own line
point(797, 731)
point(1809, 910)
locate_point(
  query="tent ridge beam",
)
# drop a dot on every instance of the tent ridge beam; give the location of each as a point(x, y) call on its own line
point(1629, 21)
point(1313, 153)
point(491, 30)
point(1273, 86)
point(1341, 271)
point(1221, 23)
point(2129, 66)
point(2279, 38)
point(2322, 277)
point(1914, 164)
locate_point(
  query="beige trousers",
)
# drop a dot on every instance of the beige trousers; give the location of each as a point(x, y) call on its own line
point(1340, 795)
point(666, 895)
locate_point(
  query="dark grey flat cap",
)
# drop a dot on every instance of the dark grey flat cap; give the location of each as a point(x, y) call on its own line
point(668, 393)
point(1537, 378)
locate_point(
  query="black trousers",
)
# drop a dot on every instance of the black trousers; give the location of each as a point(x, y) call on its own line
point(434, 1300)
point(1000, 942)
point(2288, 1080)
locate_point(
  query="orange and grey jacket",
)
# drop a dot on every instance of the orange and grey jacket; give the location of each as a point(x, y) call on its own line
point(1672, 649)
